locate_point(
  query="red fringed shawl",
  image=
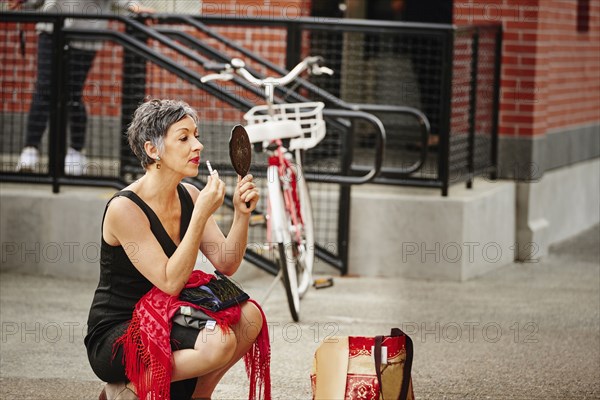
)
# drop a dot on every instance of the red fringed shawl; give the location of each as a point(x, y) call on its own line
point(147, 350)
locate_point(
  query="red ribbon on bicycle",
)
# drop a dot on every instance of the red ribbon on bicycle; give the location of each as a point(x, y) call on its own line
point(278, 160)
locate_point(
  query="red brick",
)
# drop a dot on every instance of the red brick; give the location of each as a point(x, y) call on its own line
point(518, 48)
point(518, 25)
point(506, 130)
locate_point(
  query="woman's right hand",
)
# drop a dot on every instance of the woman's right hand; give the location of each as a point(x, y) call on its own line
point(211, 197)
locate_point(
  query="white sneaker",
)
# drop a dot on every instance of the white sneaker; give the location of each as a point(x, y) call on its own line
point(75, 162)
point(29, 160)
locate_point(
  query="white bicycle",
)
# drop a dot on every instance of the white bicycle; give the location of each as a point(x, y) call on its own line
point(289, 215)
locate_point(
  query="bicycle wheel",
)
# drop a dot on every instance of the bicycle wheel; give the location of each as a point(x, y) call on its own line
point(291, 288)
point(304, 248)
point(280, 227)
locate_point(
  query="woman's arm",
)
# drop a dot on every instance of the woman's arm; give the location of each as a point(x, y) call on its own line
point(237, 239)
point(226, 253)
point(127, 225)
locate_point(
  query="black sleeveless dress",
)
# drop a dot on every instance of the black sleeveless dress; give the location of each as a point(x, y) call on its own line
point(121, 286)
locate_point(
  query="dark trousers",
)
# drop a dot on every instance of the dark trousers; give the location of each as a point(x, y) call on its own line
point(80, 62)
point(429, 77)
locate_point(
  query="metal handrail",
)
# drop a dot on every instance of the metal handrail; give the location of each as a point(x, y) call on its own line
point(448, 32)
point(191, 41)
point(340, 117)
point(144, 50)
point(379, 149)
point(424, 128)
point(422, 120)
point(194, 78)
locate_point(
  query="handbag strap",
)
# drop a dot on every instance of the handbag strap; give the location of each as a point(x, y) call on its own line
point(408, 345)
point(377, 350)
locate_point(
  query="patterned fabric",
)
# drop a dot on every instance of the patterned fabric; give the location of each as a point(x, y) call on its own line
point(361, 382)
point(361, 377)
point(147, 351)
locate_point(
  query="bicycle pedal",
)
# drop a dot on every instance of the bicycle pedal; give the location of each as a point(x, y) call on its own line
point(323, 283)
point(258, 219)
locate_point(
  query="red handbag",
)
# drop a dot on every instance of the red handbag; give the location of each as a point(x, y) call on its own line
point(363, 368)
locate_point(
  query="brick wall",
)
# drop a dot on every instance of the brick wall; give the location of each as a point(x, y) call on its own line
point(18, 72)
point(549, 68)
point(257, 8)
point(103, 86)
point(573, 65)
point(102, 90)
point(268, 42)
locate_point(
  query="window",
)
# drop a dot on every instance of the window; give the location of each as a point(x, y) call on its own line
point(583, 15)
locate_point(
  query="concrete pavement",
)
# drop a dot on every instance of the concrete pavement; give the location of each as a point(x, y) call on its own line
point(526, 331)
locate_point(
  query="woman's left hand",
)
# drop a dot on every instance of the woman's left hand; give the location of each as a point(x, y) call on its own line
point(246, 195)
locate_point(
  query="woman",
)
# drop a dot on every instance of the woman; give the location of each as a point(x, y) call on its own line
point(151, 234)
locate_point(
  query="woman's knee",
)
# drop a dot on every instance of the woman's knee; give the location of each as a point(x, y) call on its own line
point(250, 323)
point(219, 345)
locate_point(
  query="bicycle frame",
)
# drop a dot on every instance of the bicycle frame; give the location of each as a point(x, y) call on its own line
point(276, 231)
point(280, 171)
point(289, 212)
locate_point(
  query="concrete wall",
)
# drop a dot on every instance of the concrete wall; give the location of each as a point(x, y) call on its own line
point(419, 234)
point(59, 234)
point(561, 204)
point(52, 234)
point(394, 231)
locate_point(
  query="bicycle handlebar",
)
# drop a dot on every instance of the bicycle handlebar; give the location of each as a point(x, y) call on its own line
point(236, 65)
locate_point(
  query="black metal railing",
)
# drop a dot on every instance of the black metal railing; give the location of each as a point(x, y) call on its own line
point(451, 74)
point(136, 61)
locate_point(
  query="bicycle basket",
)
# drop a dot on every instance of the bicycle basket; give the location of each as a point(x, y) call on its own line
point(303, 121)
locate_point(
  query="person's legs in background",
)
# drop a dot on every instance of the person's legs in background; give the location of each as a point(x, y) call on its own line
point(40, 106)
point(80, 64)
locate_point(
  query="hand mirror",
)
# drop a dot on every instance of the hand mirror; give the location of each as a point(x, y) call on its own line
point(240, 151)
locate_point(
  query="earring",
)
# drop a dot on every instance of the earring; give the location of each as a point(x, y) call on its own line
point(157, 163)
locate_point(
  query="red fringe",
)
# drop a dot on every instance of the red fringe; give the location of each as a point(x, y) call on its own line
point(147, 350)
point(145, 363)
point(258, 362)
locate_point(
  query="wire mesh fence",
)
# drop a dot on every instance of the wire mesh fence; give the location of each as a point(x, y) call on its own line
point(19, 53)
point(451, 76)
point(217, 118)
point(474, 107)
point(392, 68)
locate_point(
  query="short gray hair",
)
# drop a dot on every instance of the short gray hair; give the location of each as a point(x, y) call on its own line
point(151, 121)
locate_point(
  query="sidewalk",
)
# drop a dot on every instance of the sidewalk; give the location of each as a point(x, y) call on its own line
point(527, 331)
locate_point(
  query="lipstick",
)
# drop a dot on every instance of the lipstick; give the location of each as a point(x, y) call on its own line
point(210, 170)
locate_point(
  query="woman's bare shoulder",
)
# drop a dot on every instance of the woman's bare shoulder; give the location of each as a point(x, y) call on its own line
point(123, 209)
point(123, 220)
